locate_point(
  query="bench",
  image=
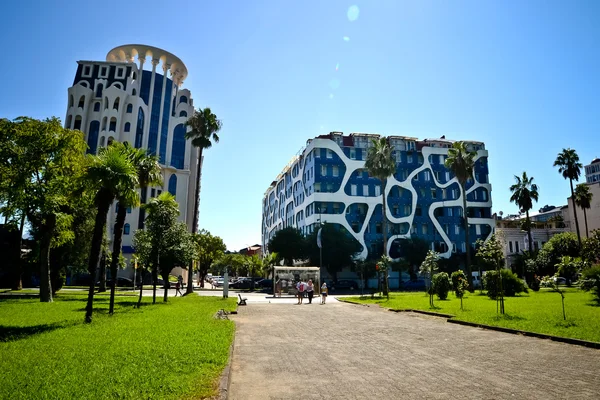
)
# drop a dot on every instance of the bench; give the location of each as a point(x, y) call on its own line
point(242, 301)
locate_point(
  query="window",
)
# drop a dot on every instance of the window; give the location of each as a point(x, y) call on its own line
point(99, 90)
point(449, 211)
point(104, 121)
point(106, 103)
point(336, 170)
point(113, 124)
point(510, 247)
point(183, 99)
point(97, 106)
point(69, 120)
point(77, 125)
point(447, 176)
point(484, 195)
point(444, 194)
point(427, 176)
point(516, 246)
point(365, 190)
point(127, 127)
point(395, 210)
point(87, 71)
point(352, 154)
point(126, 229)
point(93, 136)
point(407, 209)
point(323, 170)
point(478, 229)
point(453, 247)
point(133, 92)
point(434, 193)
point(116, 104)
point(128, 210)
point(103, 72)
point(139, 130)
point(418, 211)
point(424, 229)
point(120, 73)
point(173, 185)
point(447, 229)
point(317, 187)
point(183, 113)
point(129, 108)
point(353, 190)
point(456, 229)
point(81, 102)
point(378, 228)
point(377, 190)
point(409, 158)
point(329, 155)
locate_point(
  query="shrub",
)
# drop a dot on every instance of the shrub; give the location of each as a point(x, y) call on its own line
point(511, 284)
point(590, 281)
point(456, 276)
point(441, 285)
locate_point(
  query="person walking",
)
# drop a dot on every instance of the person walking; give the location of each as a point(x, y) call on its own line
point(178, 289)
point(278, 285)
point(323, 293)
point(310, 290)
point(301, 286)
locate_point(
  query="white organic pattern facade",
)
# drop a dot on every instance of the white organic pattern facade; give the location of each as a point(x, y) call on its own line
point(291, 198)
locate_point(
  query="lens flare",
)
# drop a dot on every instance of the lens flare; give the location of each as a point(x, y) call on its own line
point(337, 66)
point(353, 13)
point(334, 83)
point(346, 39)
point(331, 95)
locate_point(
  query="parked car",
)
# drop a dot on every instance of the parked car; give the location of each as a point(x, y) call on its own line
point(265, 283)
point(343, 284)
point(242, 283)
point(217, 281)
point(414, 286)
point(560, 280)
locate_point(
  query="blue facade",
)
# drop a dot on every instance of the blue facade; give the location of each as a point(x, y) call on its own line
point(178, 149)
point(423, 200)
point(93, 136)
point(173, 185)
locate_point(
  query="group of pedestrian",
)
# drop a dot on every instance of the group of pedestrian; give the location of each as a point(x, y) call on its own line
point(308, 289)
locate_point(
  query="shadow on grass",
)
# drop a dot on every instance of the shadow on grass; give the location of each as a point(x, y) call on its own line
point(13, 333)
point(565, 324)
point(509, 317)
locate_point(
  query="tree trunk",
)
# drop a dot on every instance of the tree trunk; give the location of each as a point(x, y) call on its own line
point(95, 254)
point(139, 304)
point(386, 288)
point(190, 284)
point(18, 270)
point(102, 286)
point(575, 213)
point(116, 254)
point(46, 239)
point(467, 237)
point(587, 232)
point(529, 233)
point(154, 281)
point(166, 285)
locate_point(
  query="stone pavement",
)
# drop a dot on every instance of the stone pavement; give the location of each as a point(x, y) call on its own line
point(344, 351)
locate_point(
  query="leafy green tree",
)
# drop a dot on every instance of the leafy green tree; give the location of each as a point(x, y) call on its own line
point(42, 166)
point(591, 248)
point(338, 248)
point(549, 282)
point(428, 267)
point(563, 244)
point(178, 248)
point(590, 281)
point(441, 285)
point(289, 244)
point(459, 285)
point(111, 171)
point(210, 248)
point(568, 267)
point(366, 268)
point(583, 199)
point(569, 166)
point(203, 128)
point(162, 218)
point(381, 165)
point(461, 162)
point(269, 262)
point(413, 250)
point(523, 194)
point(142, 243)
point(492, 253)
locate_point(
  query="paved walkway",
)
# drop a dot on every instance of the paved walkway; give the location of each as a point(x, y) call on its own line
point(343, 351)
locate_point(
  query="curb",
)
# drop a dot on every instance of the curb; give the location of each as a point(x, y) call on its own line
point(450, 319)
point(225, 379)
point(577, 342)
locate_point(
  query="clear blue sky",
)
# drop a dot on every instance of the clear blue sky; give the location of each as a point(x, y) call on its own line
point(522, 76)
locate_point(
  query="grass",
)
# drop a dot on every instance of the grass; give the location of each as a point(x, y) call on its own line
point(175, 350)
point(539, 312)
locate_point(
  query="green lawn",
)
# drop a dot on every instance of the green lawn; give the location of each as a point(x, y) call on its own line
point(163, 351)
point(539, 312)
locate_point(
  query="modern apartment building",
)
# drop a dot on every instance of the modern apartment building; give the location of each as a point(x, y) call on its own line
point(118, 99)
point(592, 215)
point(327, 182)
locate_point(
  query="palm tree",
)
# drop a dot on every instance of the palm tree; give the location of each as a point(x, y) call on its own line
point(204, 127)
point(583, 198)
point(523, 194)
point(112, 172)
point(569, 166)
point(461, 162)
point(381, 165)
point(149, 174)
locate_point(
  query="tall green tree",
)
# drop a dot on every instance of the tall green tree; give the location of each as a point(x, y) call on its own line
point(381, 165)
point(429, 266)
point(524, 192)
point(162, 217)
point(42, 168)
point(339, 248)
point(179, 249)
point(461, 162)
point(210, 248)
point(583, 198)
point(269, 262)
point(289, 244)
point(149, 174)
point(112, 172)
point(413, 250)
point(569, 166)
point(492, 253)
point(204, 127)
point(142, 243)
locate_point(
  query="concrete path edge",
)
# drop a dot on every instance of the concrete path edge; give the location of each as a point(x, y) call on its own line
point(450, 319)
point(225, 379)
